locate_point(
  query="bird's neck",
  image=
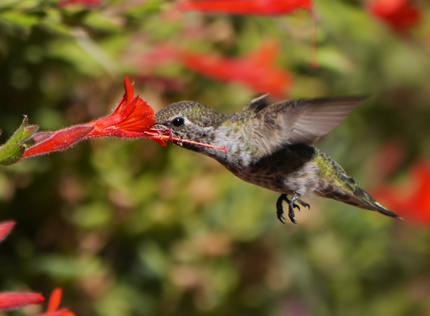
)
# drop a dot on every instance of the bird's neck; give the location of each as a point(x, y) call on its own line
point(233, 134)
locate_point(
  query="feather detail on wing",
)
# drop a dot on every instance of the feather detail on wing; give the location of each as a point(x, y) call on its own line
point(303, 120)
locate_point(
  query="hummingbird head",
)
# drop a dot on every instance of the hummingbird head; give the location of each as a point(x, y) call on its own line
point(190, 120)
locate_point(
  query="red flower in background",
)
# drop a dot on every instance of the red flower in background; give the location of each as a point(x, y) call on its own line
point(172, 84)
point(253, 7)
point(261, 7)
point(64, 3)
point(14, 300)
point(411, 200)
point(54, 303)
point(257, 70)
point(400, 15)
point(5, 229)
point(389, 157)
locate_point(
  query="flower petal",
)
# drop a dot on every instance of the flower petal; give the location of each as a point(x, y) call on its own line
point(132, 121)
point(14, 300)
point(267, 7)
point(61, 312)
point(5, 229)
point(59, 140)
point(248, 70)
point(64, 3)
point(400, 15)
point(411, 200)
point(54, 300)
point(129, 91)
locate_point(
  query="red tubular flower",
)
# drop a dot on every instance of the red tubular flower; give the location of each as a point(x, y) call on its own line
point(54, 303)
point(260, 7)
point(59, 140)
point(400, 15)
point(257, 71)
point(132, 118)
point(14, 300)
point(411, 200)
point(5, 229)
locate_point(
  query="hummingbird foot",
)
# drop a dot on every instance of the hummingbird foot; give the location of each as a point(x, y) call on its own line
point(280, 208)
point(302, 203)
point(291, 206)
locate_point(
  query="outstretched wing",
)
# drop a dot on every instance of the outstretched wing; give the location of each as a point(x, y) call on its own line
point(301, 121)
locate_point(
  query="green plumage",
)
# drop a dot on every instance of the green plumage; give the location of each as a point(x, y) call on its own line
point(338, 185)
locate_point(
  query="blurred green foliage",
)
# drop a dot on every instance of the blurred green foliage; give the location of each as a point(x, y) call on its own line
point(132, 228)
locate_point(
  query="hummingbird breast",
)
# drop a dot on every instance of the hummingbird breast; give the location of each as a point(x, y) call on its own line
point(289, 169)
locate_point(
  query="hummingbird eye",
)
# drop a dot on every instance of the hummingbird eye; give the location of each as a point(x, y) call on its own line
point(178, 121)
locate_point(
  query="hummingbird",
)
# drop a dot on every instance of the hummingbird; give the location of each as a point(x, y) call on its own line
point(270, 145)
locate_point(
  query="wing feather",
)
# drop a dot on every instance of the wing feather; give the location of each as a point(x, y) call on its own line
point(257, 104)
point(303, 120)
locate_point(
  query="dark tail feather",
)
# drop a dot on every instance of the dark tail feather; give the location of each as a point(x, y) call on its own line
point(375, 206)
point(336, 184)
point(362, 199)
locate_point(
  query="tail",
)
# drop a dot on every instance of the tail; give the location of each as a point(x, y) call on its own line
point(356, 197)
point(338, 185)
point(362, 199)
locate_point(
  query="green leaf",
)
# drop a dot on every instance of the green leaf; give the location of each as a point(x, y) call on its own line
point(18, 133)
point(28, 132)
point(11, 154)
point(21, 5)
point(12, 151)
point(25, 21)
point(101, 22)
point(23, 133)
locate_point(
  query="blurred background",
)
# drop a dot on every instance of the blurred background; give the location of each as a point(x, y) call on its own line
point(134, 228)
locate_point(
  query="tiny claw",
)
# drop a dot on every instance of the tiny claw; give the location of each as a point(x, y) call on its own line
point(304, 204)
point(291, 206)
point(280, 209)
point(291, 215)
